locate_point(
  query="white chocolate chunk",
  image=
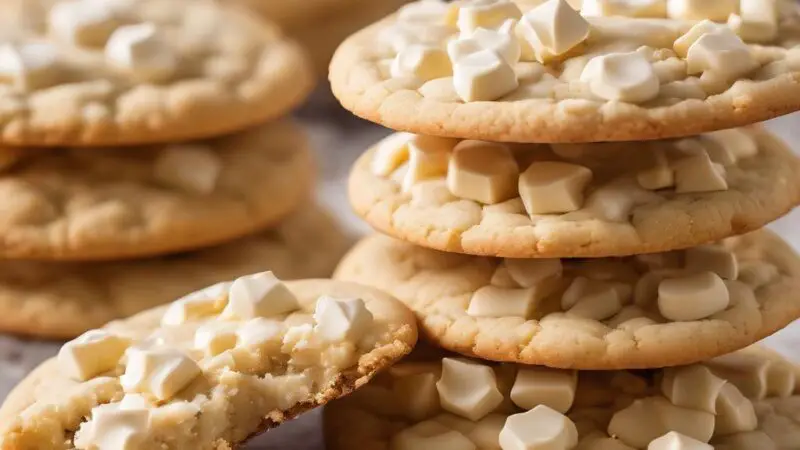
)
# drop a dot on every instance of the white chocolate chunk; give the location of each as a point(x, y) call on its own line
point(749, 373)
point(625, 77)
point(259, 295)
point(417, 395)
point(486, 432)
point(722, 53)
point(502, 278)
point(28, 66)
point(553, 187)
point(120, 426)
point(552, 29)
point(544, 386)
point(191, 168)
point(735, 413)
point(391, 153)
point(491, 14)
point(648, 418)
point(483, 171)
point(782, 430)
point(503, 42)
point(91, 354)
point(161, 373)
point(429, 157)
point(692, 297)
point(483, 76)
point(745, 441)
point(424, 13)
point(83, 23)
point(430, 435)
point(682, 44)
point(342, 320)
point(713, 258)
point(468, 389)
point(757, 273)
point(780, 379)
point(598, 441)
point(215, 337)
point(692, 387)
point(493, 301)
point(203, 303)
point(757, 20)
point(541, 428)
point(660, 176)
point(142, 52)
point(535, 273)
point(260, 333)
point(591, 299)
point(404, 35)
point(423, 62)
point(698, 174)
point(677, 441)
point(741, 144)
point(626, 8)
point(716, 10)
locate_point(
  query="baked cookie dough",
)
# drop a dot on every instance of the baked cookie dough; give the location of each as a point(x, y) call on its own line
point(62, 300)
point(481, 69)
point(743, 401)
point(211, 370)
point(132, 72)
point(639, 312)
point(290, 14)
point(574, 200)
point(115, 203)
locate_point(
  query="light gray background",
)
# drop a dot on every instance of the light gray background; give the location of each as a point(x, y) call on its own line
point(339, 139)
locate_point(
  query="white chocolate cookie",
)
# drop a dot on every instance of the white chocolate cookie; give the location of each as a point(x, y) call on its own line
point(592, 314)
point(612, 410)
point(580, 79)
point(163, 386)
point(575, 200)
point(75, 72)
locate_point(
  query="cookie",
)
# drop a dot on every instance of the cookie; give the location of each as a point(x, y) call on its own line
point(136, 72)
point(639, 312)
point(170, 378)
point(115, 203)
point(63, 300)
point(293, 14)
point(574, 200)
point(482, 70)
point(742, 401)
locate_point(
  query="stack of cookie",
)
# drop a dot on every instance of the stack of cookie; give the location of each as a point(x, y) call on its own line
point(143, 157)
point(571, 192)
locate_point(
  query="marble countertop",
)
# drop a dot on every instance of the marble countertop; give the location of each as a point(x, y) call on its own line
point(339, 139)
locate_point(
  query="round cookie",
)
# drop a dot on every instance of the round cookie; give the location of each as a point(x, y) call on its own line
point(417, 402)
point(268, 350)
point(293, 14)
point(574, 200)
point(92, 204)
point(63, 300)
point(532, 82)
point(647, 311)
point(136, 72)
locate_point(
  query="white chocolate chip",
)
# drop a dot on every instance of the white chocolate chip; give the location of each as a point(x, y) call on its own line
point(161, 373)
point(784, 431)
point(440, 90)
point(403, 35)
point(625, 77)
point(141, 51)
point(493, 301)
point(692, 387)
point(698, 174)
point(483, 171)
point(713, 258)
point(553, 187)
point(626, 8)
point(86, 23)
point(491, 14)
point(259, 295)
point(429, 157)
point(735, 413)
point(203, 303)
point(502, 278)
point(423, 62)
point(722, 53)
point(342, 320)
point(539, 429)
point(91, 354)
point(119, 426)
point(535, 273)
point(215, 337)
point(502, 41)
point(28, 66)
point(757, 20)
point(740, 143)
point(692, 297)
point(648, 418)
point(716, 10)
point(677, 441)
point(425, 13)
point(749, 373)
point(483, 76)
point(192, 168)
point(468, 389)
point(544, 386)
point(599, 441)
point(430, 435)
point(745, 441)
point(391, 153)
point(660, 176)
point(757, 273)
point(417, 395)
point(682, 44)
point(486, 432)
point(551, 29)
point(260, 333)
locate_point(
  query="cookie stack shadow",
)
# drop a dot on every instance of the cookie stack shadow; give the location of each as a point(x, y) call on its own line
point(145, 155)
point(573, 208)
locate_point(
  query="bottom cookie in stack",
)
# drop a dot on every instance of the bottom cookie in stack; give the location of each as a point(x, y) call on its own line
point(748, 400)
